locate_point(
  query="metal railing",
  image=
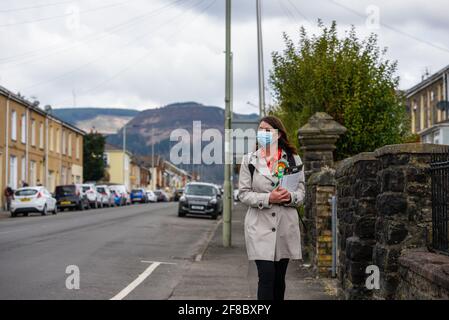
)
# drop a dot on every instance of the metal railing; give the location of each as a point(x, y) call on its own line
point(439, 172)
point(334, 236)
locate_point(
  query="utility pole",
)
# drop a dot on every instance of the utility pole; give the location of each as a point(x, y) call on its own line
point(152, 158)
point(124, 155)
point(260, 60)
point(227, 204)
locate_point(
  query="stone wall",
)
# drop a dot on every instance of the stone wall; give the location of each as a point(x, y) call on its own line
point(423, 276)
point(404, 208)
point(384, 207)
point(357, 189)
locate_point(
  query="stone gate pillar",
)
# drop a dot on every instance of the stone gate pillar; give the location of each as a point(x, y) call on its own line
point(317, 140)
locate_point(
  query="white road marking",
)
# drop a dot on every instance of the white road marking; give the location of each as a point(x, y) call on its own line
point(144, 261)
point(122, 294)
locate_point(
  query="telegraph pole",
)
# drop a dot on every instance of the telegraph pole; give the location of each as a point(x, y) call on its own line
point(227, 201)
point(153, 171)
point(260, 60)
point(124, 154)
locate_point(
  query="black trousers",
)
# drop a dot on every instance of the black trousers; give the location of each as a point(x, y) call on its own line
point(271, 279)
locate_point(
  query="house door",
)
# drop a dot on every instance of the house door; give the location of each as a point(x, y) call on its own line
point(33, 174)
point(13, 172)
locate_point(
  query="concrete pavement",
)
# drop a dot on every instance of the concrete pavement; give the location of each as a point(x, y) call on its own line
point(226, 273)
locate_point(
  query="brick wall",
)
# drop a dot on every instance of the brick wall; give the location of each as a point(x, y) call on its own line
point(321, 188)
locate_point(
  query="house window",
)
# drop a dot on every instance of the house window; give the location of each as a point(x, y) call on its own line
point(51, 180)
point(13, 125)
point(24, 129)
point(64, 144)
point(23, 169)
point(58, 142)
point(425, 110)
point(13, 172)
point(77, 146)
point(33, 132)
point(51, 139)
point(106, 159)
point(70, 145)
point(41, 136)
point(33, 173)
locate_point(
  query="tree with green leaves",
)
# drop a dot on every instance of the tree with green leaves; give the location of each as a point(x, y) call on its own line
point(94, 166)
point(348, 78)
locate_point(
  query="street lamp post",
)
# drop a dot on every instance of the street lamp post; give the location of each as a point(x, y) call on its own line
point(260, 60)
point(124, 155)
point(227, 210)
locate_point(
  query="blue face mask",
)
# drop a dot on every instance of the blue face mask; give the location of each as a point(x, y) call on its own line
point(264, 138)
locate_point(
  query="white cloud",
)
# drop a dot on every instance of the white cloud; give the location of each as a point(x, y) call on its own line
point(153, 58)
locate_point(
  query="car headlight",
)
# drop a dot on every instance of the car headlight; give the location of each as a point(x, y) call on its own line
point(213, 201)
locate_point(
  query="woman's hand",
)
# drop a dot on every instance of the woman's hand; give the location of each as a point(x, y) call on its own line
point(279, 195)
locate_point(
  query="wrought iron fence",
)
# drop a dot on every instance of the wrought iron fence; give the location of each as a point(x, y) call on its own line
point(439, 171)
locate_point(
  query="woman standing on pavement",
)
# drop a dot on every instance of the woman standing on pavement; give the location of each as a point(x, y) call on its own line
point(272, 233)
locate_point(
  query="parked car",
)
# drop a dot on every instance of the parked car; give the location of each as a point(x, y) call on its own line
point(170, 194)
point(123, 192)
point(161, 196)
point(139, 195)
point(220, 189)
point(107, 198)
point(151, 196)
point(201, 198)
point(71, 197)
point(178, 194)
point(92, 195)
point(117, 198)
point(236, 194)
point(33, 199)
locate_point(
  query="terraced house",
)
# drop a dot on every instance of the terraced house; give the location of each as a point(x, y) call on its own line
point(428, 107)
point(35, 146)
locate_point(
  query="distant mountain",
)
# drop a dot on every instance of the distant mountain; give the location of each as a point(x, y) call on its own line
point(104, 120)
point(160, 122)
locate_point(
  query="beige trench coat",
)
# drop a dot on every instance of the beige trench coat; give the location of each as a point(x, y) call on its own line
point(271, 230)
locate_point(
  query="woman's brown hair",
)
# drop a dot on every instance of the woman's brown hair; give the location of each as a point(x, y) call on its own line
point(283, 142)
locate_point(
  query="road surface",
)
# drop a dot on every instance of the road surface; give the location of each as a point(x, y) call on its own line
point(133, 252)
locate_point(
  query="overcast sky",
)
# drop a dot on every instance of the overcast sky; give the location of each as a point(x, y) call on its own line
point(148, 53)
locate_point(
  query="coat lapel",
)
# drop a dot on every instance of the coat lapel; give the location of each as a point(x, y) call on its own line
point(261, 166)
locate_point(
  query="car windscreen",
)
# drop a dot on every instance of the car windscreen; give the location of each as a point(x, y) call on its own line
point(25, 192)
point(101, 189)
point(65, 190)
point(136, 191)
point(86, 188)
point(200, 190)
